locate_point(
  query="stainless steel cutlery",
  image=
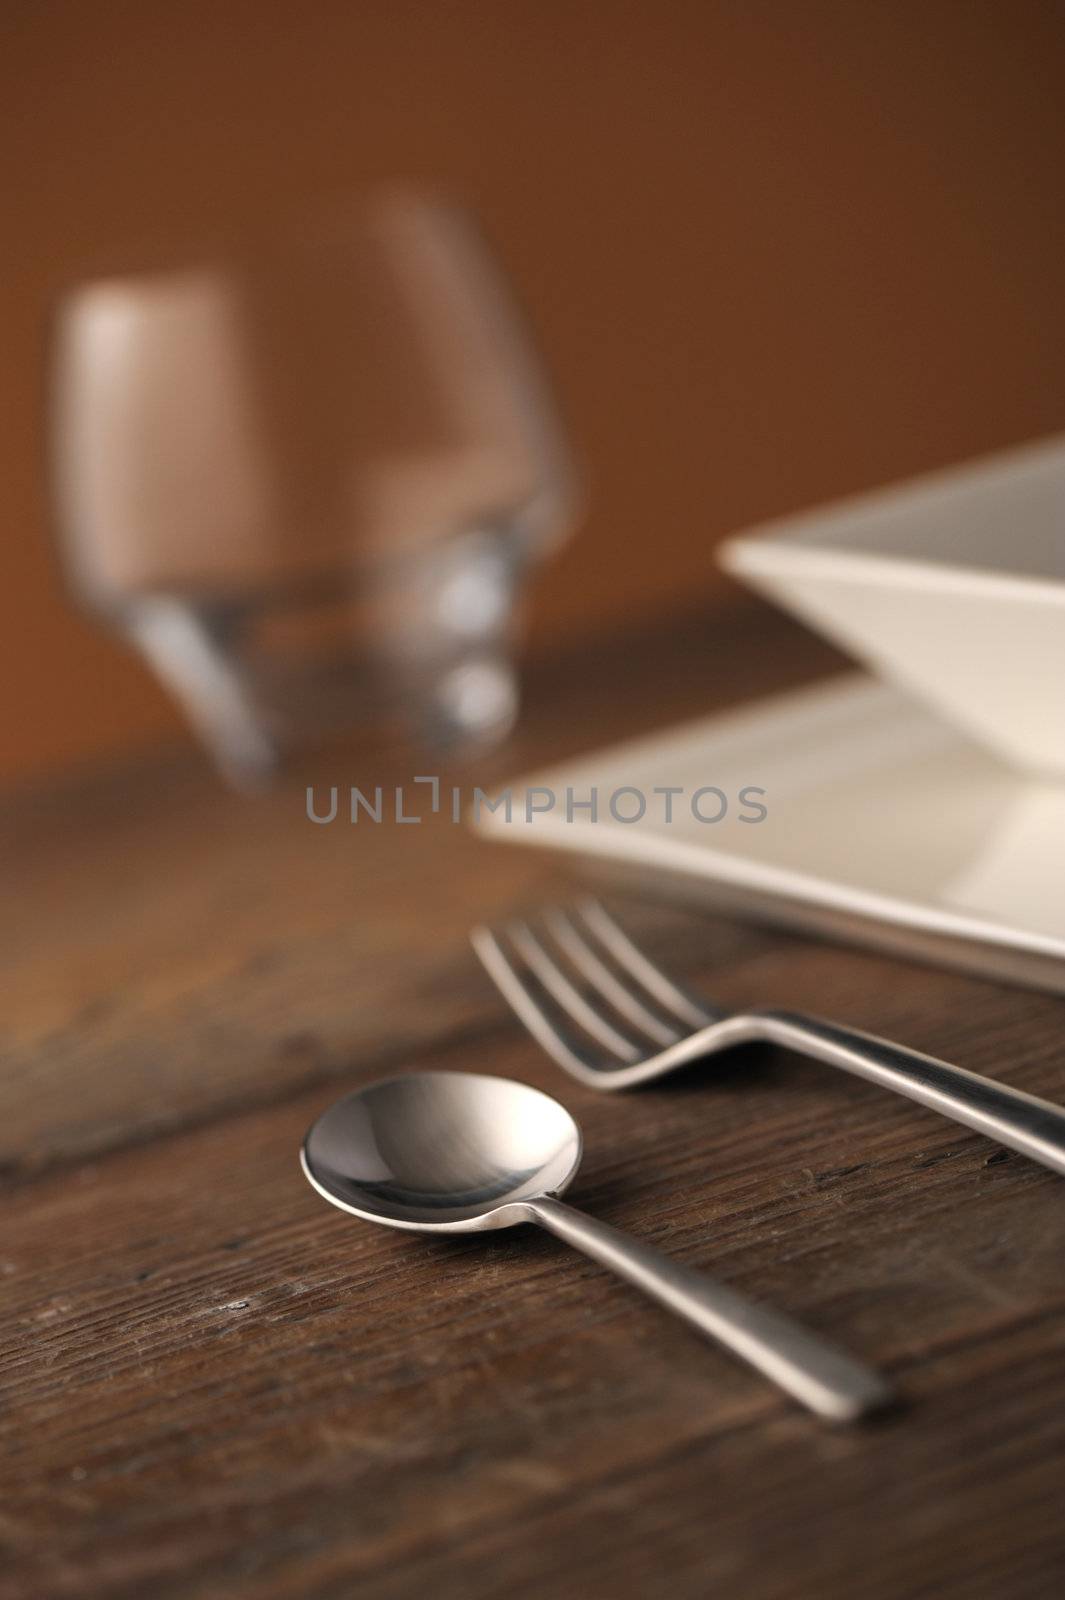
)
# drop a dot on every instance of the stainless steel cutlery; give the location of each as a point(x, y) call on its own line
point(612, 1019)
point(454, 1152)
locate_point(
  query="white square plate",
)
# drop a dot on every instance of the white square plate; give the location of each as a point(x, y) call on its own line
point(883, 824)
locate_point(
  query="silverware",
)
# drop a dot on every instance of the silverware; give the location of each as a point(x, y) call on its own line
point(454, 1152)
point(612, 1019)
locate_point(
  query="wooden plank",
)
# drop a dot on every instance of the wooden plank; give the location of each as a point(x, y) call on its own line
point(211, 1383)
point(209, 1372)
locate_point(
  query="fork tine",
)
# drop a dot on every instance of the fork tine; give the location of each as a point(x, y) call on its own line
point(561, 1045)
point(559, 986)
point(625, 953)
point(569, 937)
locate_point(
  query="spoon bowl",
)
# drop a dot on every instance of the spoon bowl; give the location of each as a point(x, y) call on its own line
point(446, 1152)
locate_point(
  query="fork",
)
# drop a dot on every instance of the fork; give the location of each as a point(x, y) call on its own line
point(612, 1019)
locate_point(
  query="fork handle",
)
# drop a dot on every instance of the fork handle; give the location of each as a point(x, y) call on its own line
point(806, 1366)
point(1021, 1121)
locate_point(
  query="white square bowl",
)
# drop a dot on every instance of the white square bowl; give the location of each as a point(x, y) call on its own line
point(950, 585)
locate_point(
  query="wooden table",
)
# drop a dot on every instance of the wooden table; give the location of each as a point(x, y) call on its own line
point(214, 1385)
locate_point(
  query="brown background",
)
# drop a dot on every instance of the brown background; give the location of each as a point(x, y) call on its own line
point(775, 252)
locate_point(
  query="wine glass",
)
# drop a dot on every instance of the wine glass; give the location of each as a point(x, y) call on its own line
point(305, 479)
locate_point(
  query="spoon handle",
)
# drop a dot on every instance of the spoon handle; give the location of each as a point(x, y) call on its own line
point(809, 1368)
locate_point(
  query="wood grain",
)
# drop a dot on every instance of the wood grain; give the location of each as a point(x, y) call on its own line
point(214, 1385)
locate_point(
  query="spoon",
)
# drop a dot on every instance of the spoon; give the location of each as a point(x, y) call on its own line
point(455, 1152)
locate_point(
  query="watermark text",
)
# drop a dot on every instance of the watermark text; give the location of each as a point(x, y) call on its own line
point(624, 804)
